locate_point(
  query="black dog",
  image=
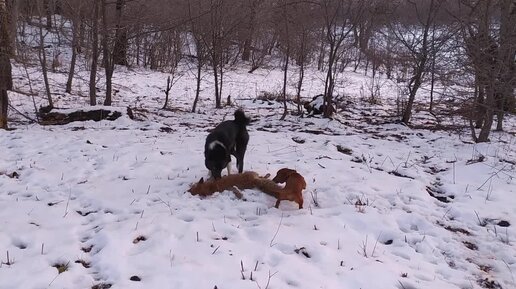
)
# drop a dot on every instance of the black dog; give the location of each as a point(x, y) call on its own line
point(230, 137)
point(316, 105)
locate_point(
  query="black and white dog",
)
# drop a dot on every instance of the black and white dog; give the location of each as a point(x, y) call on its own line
point(228, 138)
point(316, 105)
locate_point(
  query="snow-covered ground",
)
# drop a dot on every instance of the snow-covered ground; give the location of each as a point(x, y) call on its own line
point(104, 204)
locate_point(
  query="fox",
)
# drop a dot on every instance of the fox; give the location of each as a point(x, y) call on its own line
point(294, 186)
point(236, 182)
point(252, 180)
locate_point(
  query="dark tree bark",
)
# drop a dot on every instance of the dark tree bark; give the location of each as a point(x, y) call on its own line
point(432, 70)
point(200, 53)
point(6, 81)
point(286, 43)
point(479, 103)
point(322, 50)
point(121, 40)
point(43, 61)
point(109, 66)
point(506, 81)
point(48, 12)
point(302, 61)
point(284, 91)
point(215, 48)
point(249, 31)
point(12, 12)
point(197, 83)
point(167, 91)
point(94, 53)
point(75, 49)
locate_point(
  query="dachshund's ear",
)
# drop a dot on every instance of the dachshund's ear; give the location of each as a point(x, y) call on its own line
point(201, 181)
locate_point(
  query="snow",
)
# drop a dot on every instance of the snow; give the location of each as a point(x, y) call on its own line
point(112, 194)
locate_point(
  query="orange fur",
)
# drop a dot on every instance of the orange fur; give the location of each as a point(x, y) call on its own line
point(245, 180)
point(295, 183)
point(294, 186)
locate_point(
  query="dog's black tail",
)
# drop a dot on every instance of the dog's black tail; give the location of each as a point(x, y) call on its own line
point(241, 118)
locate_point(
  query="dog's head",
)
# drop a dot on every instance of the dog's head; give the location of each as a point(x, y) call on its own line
point(283, 174)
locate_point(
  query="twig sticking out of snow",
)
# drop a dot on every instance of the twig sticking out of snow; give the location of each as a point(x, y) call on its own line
point(268, 280)
point(67, 202)
point(277, 230)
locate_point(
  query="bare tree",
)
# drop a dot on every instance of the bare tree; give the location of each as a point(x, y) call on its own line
point(222, 26)
point(339, 18)
point(416, 44)
point(491, 50)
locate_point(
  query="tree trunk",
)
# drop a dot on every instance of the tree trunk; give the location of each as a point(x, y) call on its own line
point(43, 61)
point(6, 81)
point(329, 82)
point(200, 62)
point(82, 30)
point(216, 79)
point(479, 104)
point(4, 105)
point(75, 43)
point(499, 118)
point(246, 53)
point(138, 44)
point(221, 77)
point(483, 135)
point(198, 83)
point(432, 70)
point(106, 55)
point(12, 11)
point(48, 13)
point(506, 54)
point(322, 51)
point(95, 51)
point(432, 84)
point(300, 80)
point(167, 91)
point(120, 47)
point(407, 111)
point(285, 72)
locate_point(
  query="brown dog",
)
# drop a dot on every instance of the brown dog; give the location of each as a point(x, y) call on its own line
point(293, 190)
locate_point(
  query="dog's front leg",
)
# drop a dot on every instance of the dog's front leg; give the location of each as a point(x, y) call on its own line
point(228, 167)
point(240, 162)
